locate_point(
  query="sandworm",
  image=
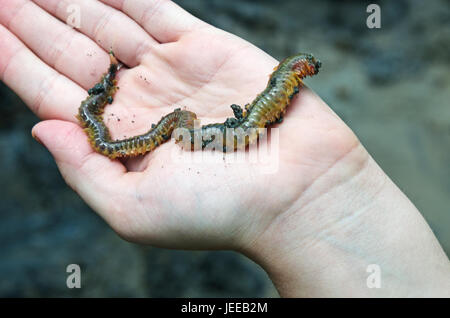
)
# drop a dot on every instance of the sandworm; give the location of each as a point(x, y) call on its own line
point(266, 109)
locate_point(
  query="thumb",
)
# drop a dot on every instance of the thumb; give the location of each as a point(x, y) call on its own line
point(94, 177)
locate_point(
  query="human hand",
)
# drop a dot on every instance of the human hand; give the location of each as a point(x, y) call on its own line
point(327, 205)
point(173, 60)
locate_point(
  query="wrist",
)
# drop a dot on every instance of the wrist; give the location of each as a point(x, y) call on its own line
point(350, 217)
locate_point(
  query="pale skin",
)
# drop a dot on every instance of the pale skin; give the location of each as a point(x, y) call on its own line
point(314, 226)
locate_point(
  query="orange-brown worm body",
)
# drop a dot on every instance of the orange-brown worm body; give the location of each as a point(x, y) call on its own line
point(267, 108)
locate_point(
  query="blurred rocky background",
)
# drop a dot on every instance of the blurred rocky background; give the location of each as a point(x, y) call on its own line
point(391, 86)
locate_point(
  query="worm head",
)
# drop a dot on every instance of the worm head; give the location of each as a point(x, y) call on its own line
point(306, 65)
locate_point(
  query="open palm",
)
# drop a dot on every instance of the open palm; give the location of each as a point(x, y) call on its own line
point(172, 60)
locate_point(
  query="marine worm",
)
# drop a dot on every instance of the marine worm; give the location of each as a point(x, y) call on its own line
point(266, 109)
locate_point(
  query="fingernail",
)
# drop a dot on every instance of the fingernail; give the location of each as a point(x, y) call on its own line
point(36, 138)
